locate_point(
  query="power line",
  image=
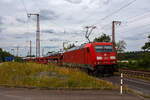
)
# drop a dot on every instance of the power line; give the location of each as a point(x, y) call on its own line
point(143, 28)
point(128, 4)
point(119, 9)
point(143, 32)
point(137, 27)
point(22, 1)
point(132, 32)
point(129, 22)
point(135, 18)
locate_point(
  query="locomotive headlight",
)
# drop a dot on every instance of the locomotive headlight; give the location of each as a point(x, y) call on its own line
point(99, 58)
point(112, 57)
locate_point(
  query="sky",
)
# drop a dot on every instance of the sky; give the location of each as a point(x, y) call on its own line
point(65, 21)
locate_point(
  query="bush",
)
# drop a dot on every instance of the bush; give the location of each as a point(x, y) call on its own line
point(144, 61)
point(18, 59)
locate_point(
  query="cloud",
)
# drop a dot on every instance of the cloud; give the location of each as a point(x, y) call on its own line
point(50, 47)
point(106, 2)
point(132, 38)
point(71, 16)
point(1, 24)
point(2, 29)
point(2, 38)
point(49, 31)
point(20, 20)
point(48, 15)
point(1, 20)
point(56, 39)
point(74, 1)
point(26, 35)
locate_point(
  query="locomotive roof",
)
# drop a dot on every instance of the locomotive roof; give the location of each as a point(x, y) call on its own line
point(52, 54)
point(88, 45)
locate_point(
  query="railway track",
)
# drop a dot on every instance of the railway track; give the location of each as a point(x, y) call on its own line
point(135, 72)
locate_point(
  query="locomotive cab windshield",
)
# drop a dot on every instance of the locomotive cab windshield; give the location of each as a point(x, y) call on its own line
point(105, 48)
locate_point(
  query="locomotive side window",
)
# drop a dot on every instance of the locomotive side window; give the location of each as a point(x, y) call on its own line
point(88, 50)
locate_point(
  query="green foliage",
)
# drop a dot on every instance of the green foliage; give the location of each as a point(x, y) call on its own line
point(146, 46)
point(30, 56)
point(18, 59)
point(4, 54)
point(121, 46)
point(142, 62)
point(70, 46)
point(102, 38)
point(1, 50)
point(134, 55)
point(38, 75)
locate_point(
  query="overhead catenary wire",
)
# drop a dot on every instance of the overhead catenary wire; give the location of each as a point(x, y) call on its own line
point(130, 21)
point(134, 22)
point(116, 11)
point(128, 4)
point(143, 29)
point(136, 27)
point(135, 18)
point(146, 27)
point(140, 28)
point(22, 1)
point(143, 33)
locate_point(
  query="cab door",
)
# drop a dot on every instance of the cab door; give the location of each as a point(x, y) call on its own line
point(87, 56)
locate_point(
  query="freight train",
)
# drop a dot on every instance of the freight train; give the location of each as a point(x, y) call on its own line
point(95, 58)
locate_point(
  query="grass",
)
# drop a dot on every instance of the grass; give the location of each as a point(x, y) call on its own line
point(50, 76)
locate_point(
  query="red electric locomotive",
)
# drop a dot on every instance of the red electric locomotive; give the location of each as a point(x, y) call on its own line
point(97, 58)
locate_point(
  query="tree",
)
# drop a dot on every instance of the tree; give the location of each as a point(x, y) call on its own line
point(30, 56)
point(1, 50)
point(146, 46)
point(102, 38)
point(120, 46)
point(69, 47)
point(4, 54)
